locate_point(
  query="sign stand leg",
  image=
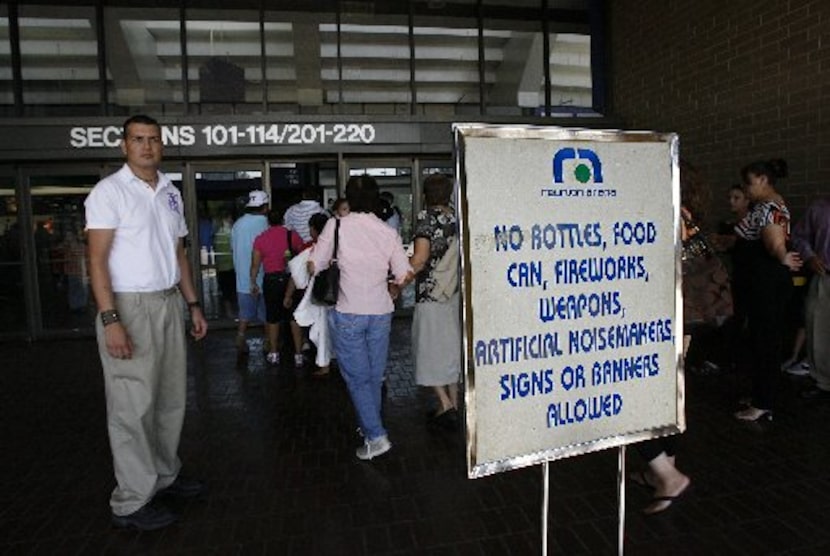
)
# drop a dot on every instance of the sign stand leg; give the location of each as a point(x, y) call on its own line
point(621, 500)
point(545, 507)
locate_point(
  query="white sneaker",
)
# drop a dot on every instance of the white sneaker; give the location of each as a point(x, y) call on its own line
point(373, 448)
point(801, 368)
point(299, 360)
point(273, 358)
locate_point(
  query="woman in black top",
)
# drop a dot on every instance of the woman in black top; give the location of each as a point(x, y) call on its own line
point(765, 261)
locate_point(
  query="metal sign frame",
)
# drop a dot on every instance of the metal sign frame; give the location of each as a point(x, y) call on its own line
point(462, 133)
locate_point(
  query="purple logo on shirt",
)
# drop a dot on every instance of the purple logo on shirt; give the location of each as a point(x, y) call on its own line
point(173, 202)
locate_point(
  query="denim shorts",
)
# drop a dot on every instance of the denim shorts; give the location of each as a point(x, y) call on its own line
point(251, 307)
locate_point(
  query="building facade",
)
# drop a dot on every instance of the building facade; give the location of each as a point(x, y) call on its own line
point(282, 94)
point(272, 95)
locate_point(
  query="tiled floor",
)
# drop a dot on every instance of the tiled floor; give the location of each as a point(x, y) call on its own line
point(277, 450)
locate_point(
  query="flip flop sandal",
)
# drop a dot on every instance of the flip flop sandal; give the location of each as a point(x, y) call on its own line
point(663, 503)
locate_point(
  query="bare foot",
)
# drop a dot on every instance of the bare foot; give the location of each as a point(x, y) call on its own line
point(753, 414)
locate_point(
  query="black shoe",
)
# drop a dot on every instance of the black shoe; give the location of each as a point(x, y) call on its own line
point(184, 488)
point(815, 394)
point(447, 420)
point(147, 518)
point(450, 420)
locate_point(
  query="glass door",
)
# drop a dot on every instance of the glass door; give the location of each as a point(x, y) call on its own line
point(13, 315)
point(396, 180)
point(61, 294)
point(290, 177)
point(221, 192)
point(426, 167)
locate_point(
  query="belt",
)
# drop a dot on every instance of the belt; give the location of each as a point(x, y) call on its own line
point(159, 293)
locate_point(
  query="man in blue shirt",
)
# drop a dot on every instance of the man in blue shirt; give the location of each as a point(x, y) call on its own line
point(244, 232)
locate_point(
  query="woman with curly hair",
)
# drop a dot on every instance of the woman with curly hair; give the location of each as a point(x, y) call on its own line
point(436, 326)
point(768, 262)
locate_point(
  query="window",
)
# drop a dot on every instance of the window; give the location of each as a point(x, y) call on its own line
point(224, 59)
point(374, 58)
point(364, 60)
point(59, 56)
point(144, 62)
point(446, 64)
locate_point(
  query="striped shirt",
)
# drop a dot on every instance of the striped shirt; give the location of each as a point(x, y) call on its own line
point(762, 215)
point(296, 217)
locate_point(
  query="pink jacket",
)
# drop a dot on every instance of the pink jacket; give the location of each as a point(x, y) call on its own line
point(368, 250)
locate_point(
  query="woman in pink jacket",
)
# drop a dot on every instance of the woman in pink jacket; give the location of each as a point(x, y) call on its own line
point(368, 250)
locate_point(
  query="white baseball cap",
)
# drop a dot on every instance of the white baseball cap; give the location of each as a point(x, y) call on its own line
point(257, 199)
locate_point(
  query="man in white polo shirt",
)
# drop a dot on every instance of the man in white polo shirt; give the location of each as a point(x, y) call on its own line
point(138, 268)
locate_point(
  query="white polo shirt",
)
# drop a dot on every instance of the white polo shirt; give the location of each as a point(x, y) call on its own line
point(148, 225)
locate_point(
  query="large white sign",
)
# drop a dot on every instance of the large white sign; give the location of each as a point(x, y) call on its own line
point(571, 291)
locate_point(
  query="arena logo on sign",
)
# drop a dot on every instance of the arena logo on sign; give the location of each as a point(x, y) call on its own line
point(577, 173)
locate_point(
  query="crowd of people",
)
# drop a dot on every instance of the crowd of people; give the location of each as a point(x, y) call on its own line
point(768, 259)
point(775, 267)
point(273, 258)
point(275, 255)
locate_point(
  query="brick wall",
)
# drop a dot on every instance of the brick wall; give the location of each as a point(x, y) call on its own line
point(739, 80)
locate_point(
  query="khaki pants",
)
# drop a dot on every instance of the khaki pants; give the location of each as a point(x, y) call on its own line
point(817, 324)
point(146, 396)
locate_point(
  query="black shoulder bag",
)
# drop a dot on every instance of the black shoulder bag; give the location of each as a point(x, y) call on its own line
point(327, 282)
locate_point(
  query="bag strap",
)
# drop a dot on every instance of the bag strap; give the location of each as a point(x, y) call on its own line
point(336, 239)
point(288, 239)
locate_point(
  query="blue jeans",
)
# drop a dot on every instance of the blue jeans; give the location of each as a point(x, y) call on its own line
point(361, 343)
